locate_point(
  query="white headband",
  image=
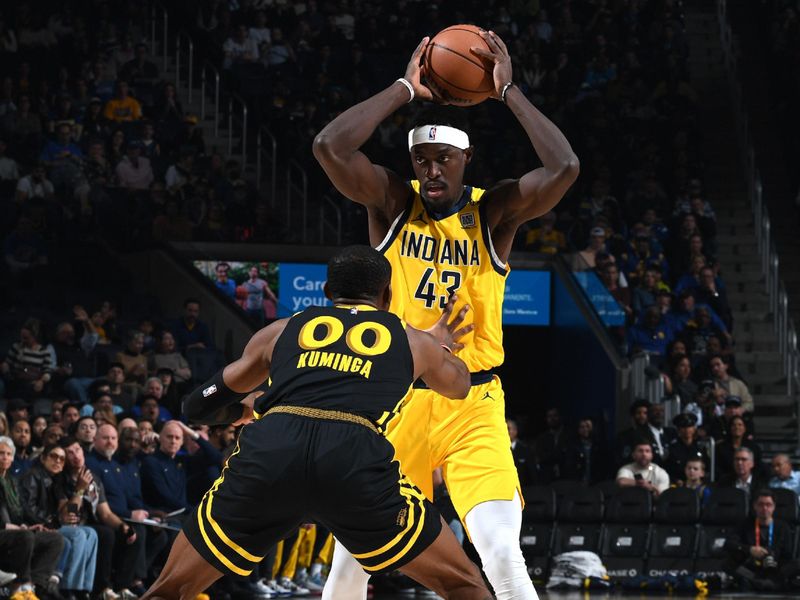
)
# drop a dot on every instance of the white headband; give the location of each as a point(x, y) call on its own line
point(438, 134)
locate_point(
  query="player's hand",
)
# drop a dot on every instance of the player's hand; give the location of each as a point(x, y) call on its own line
point(247, 417)
point(414, 73)
point(498, 53)
point(447, 332)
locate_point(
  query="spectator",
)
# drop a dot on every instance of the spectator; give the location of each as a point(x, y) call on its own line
point(684, 448)
point(680, 379)
point(38, 498)
point(134, 171)
point(116, 377)
point(21, 434)
point(101, 401)
point(94, 125)
point(52, 435)
point(166, 357)
point(29, 364)
point(584, 457)
point(139, 69)
point(224, 284)
point(691, 279)
point(164, 473)
point(24, 249)
point(9, 171)
point(640, 258)
point(189, 331)
point(597, 243)
point(711, 292)
point(688, 312)
point(205, 460)
point(122, 108)
point(261, 301)
point(695, 479)
point(17, 409)
point(661, 435)
point(642, 472)
point(547, 444)
point(733, 386)
point(118, 544)
point(760, 553)
point(546, 239)
point(132, 359)
point(63, 159)
point(644, 295)
point(745, 474)
point(239, 48)
point(85, 430)
point(610, 278)
point(70, 415)
point(783, 474)
point(35, 186)
point(523, 455)
point(151, 411)
point(75, 360)
point(30, 552)
point(37, 431)
point(148, 436)
point(639, 429)
point(652, 335)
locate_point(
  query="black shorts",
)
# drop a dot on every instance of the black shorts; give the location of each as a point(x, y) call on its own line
point(289, 469)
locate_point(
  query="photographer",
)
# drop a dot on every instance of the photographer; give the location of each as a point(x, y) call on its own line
point(759, 557)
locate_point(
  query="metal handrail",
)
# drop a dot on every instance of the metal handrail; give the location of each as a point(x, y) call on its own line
point(232, 100)
point(297, 190)
point(770, 263)
point(182, 36)
point(323, 221)
point(204, 69)
point(157, 10)
point(272, 158)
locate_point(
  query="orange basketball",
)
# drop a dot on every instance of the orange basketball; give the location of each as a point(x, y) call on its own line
point(455, 73)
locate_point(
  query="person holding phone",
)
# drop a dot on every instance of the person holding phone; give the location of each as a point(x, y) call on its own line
point(643, 472)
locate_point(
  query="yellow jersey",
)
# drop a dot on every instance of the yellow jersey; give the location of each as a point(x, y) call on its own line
point(434, 256)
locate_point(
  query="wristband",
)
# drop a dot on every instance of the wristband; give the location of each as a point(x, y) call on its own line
point(446, 347)
point(408, 85)
point(202, 405)
point(504, 91)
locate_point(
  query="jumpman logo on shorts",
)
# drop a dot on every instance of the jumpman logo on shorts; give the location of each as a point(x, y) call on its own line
point(487, 395)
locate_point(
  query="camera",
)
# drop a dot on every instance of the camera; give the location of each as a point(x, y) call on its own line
point(769, 562)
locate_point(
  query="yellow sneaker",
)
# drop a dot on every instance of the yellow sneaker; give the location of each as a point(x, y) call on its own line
point(200, 597)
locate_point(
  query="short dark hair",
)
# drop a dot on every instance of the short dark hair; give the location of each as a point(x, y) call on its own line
point(189, 301)
point(358, 272)
point(66, 442)
point(439, 115)
point(763, 493)
point(641, 441)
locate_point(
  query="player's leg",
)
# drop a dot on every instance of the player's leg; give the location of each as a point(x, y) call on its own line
point(444, 568)
point(346, 580)
point(494, 527)
point(185, 575)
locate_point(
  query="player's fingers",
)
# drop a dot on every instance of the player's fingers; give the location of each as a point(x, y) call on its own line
point(484, 53)
point(421, 48)
point(459, 333)
point(456, 347)
point(448, 309)
point(459, 318)
point(499, 41)
point(491, 41)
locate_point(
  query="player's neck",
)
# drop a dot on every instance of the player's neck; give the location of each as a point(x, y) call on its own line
point(355, 302)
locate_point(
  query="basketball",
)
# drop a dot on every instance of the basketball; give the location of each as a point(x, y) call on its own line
point(455, 73)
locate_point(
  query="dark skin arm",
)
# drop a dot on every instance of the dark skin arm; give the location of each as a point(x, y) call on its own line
point(384, 193)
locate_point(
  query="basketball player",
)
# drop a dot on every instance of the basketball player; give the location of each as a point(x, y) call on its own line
point(317, 450)
point(443, 237)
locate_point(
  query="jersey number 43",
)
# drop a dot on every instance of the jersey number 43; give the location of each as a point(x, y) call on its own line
point(426, 290)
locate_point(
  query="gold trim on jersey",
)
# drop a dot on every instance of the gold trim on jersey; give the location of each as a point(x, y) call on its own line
point(319, 413)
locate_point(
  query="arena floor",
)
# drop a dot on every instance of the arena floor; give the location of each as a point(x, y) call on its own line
point(580, 595)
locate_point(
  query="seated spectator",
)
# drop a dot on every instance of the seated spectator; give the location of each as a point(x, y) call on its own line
point(783, 474)
point(123, 108)
point(101, 401)
point(680, 380)
point(31, 553)
point(760, 552)
point(149, 409)
point(691, 279)
point(524, 459)
point(167, 357)
point(18, 409)
point(240, 48)
point(711, 292)
point(744, 473)
point(684, 448)
point(94, 125)
point(644, 294)
point(132, 359)
point(641, 257)
point(687, 311)
point(164, 473)
point(639, 429)
point(661, 434)
point(116, 378)
point(584, 457)
point(547, 444)
point(610, 278)
point(79, 560)
point(21, 434)
point(732, 385)
point(698, 331)
point(29, 365)
point(189, 331)
point(205, 461)
point(84, 430)
point(546, 239)
point(148, 436)
point(139, 68)
point(597, 243)
point(642, 472)
point(224, 284)
point(75, 359)
point(118, 543)
point(134, 171)
point(70, 415)
point(62, 157)
point(35, 186)
point(695, 479)
point(652, 335)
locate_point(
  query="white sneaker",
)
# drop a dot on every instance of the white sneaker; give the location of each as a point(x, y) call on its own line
point(312, 586)
point(293, 587)
point(426, 593)
point(277, 589)
point(265, 591)
point(109, 594)
point(126, 594)
point(7, 577)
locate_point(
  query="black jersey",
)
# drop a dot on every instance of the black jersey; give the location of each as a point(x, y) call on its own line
point(354, 359)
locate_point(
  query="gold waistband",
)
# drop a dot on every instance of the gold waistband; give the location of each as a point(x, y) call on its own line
point(319, 413)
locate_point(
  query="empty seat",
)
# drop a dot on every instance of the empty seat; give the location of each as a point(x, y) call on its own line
point(787, 509)
point(580, 515)
point(673, 537)
point(626, 532)
point(536, 536)
point(725, 506)
point(721, 516)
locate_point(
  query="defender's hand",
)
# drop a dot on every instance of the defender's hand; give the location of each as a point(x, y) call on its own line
point(497, 53)
point(414, 72)
point(447, 332)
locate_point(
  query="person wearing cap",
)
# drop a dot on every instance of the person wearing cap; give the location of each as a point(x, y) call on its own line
point(597, 244)
point(639, 430)
point(134, 171)
point(439, 211)
point(684, 448)
point(783, 475)
point(652, 334)
point(734, 386)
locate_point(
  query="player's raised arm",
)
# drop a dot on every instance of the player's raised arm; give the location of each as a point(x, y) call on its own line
point(514, 202)
point(218, 399)
point(337, 146)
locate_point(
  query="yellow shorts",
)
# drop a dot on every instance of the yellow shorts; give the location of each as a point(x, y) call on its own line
point(468, 438)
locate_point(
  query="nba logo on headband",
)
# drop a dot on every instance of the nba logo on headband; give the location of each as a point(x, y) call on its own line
point(432, 133)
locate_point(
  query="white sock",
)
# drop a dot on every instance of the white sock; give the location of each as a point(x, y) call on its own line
point(347, 580)
point(494, 527)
